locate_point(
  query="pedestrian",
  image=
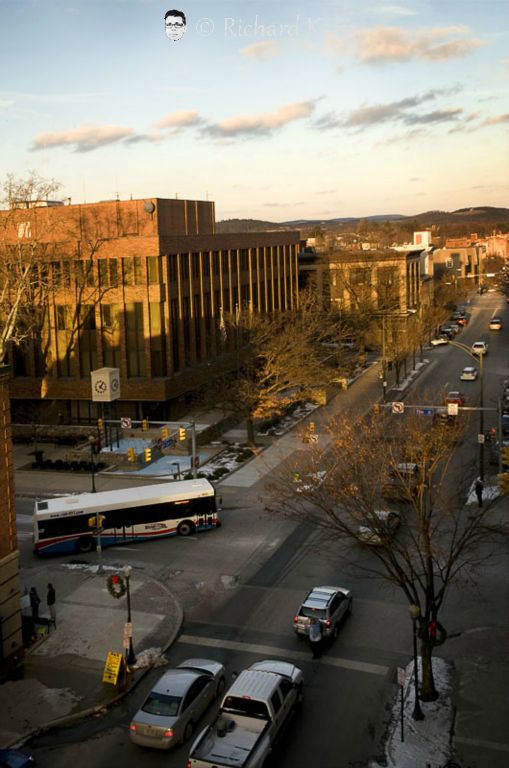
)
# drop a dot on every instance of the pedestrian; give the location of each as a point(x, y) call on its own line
point(34, 603)
point(50, 599)
point(315, 638)
point(479, 487)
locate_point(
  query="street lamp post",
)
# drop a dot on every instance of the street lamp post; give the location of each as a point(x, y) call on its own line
point(481, 402)
point(415, 613)
point(92, 444)
point(130, 656)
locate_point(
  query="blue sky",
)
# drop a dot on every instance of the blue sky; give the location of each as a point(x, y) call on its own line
point(276, 110)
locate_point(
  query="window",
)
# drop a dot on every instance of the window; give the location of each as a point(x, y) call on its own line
point(154, 269)
point(172, 268)
point(108, 273)
point(110, 335)
point(157, 339)
point(195, 263)
point(87, 340)
point(131, 270)
point(275, 700)
point(135, 340)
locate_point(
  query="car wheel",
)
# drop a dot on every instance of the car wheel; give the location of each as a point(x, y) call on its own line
point(186, 528)
point(220, 687)
point(188, 731)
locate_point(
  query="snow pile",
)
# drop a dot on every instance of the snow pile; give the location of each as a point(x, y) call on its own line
point(427, 741)
point(151, 657)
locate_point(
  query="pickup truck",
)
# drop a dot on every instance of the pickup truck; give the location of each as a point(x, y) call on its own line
point(252, 715)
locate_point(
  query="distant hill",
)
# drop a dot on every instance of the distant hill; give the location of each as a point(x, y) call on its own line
point(480, 218)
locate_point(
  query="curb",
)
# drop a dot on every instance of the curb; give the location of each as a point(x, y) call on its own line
point(102, 708)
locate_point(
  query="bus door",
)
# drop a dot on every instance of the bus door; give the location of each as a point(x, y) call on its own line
point(120, 532)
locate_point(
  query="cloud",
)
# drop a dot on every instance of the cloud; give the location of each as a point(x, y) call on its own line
point(183, 118)
point(393, 44)
point(393, 10)
point(497, 120)
point(263, 123)
point(370, 115)
point(5, 103)
point(263, 50)
point(437, 116)
point(84, 139)
point(138, 138)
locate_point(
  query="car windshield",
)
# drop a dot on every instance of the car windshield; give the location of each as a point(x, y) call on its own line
point(162, 705)
point(243, 706)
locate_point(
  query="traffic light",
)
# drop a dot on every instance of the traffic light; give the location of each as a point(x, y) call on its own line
point(503, 482)
point(144, 425)
point(100, 424)
point(131, 455)
point(311, 426)
point(165, 433)
point(148, 454)
point(100, 521)
point(376, 408)
point(182, 433)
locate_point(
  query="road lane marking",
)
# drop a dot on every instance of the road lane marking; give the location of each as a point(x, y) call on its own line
point(270, 651)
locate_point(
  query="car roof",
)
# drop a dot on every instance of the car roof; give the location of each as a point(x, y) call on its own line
point(176, 682)
point(470, 368)
point(319, 597)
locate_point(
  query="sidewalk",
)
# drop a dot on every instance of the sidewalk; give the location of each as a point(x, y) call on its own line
point(62, 673)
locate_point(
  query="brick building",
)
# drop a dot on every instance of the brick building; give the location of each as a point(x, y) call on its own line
point(10, 614)
point(142, 285)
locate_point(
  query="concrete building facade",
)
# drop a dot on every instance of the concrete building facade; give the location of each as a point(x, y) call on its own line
point(144, 286)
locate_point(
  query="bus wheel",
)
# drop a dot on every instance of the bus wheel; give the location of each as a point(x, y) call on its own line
point(186, 528)
point(85, 544)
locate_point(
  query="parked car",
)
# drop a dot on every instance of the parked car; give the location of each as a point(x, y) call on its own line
point(441, 339)
point(496, 324)
point(176, 702)
point(380, 529)
point(479, 348)
point(469, 373)
point(328, 604)
point(454, 397)
point(452, 330)
point(15, 758)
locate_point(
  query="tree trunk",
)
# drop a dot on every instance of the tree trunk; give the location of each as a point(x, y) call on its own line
point(428, 691)
point(250, 431)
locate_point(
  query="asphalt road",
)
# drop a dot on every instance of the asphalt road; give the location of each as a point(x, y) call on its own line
point(241, 610)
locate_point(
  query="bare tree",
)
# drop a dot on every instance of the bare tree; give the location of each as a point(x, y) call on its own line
point(370, 462)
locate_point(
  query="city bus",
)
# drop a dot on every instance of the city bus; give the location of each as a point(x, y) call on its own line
point(71, 523)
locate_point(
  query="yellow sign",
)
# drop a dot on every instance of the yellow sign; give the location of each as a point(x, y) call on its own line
point(113, 668)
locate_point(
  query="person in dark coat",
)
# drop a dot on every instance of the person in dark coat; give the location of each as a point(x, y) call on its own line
point(315, 638)
point(35, 601)
point(50, 600)
point(479, 487)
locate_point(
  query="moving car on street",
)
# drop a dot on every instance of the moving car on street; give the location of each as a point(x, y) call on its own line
point(176, 703)
point(496, 324)
point(441, 339)
point(454, 397)
point(327, 604)
point(469, 373)
point(479, 348)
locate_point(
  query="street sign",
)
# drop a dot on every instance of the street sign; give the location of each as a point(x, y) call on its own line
point(452, 409)
point(128, 629)
point(113, 667)
point(126, 422)
point(425, 411)
point(401, 677)
point(481, 439)
point(398, 407)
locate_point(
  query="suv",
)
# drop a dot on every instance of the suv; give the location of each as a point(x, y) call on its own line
point(329, 605)
point(479, 348)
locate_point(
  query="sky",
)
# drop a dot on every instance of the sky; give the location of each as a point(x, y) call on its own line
point(275, 110)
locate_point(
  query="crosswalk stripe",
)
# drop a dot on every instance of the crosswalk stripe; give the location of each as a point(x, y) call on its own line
point(271, 651)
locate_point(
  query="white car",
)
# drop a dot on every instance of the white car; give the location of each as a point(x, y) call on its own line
point(469, 373)
point(479, 348)
point(495, 324)
point(439, 340)
point(380, 528)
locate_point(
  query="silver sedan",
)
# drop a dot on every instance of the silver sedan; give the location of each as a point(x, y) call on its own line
point(176, 703)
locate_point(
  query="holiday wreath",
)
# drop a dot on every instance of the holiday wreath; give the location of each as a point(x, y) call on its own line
point(116, 585)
